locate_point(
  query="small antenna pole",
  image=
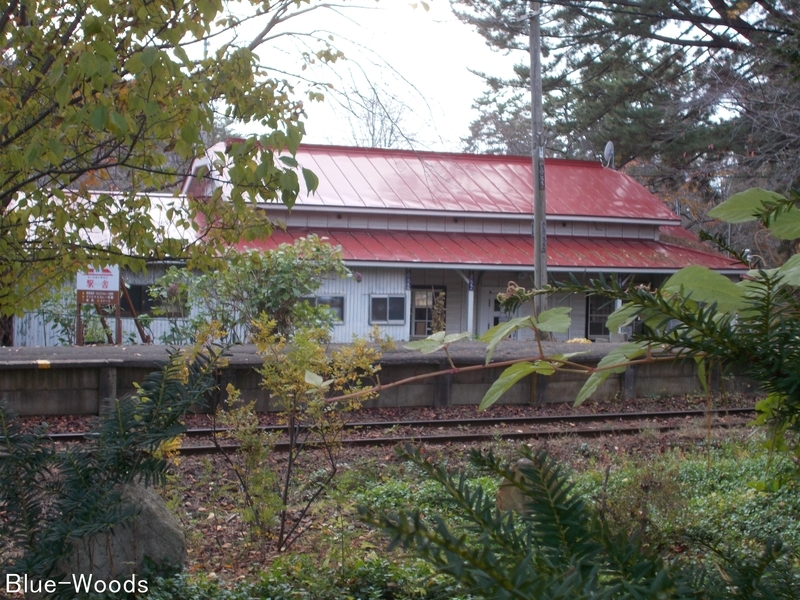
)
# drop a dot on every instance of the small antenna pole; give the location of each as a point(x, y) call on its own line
point(608, 154)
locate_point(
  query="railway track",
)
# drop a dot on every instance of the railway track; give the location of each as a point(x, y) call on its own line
point(198, 440)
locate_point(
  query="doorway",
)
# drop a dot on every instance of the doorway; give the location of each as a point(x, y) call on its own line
point(491, 313)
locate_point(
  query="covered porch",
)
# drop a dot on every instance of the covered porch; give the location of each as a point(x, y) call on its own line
point(400, 274)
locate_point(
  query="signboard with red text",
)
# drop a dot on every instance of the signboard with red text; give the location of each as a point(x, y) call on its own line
point(99, 285)
point(99, 279)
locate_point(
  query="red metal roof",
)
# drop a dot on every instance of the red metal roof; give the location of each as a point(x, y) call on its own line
point(378, 179)
point(504, 251)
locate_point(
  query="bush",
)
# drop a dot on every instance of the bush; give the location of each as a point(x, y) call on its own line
point(562, 547)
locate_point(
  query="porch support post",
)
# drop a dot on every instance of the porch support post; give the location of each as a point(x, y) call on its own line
point(469, 279)
point(409, 308)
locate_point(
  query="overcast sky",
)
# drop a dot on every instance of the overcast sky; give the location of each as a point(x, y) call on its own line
point(421, 57)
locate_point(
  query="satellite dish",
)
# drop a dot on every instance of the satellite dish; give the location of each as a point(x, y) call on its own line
point(608, 154)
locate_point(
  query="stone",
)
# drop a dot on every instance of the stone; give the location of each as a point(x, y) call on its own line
point(154, 533)
point(510, 497)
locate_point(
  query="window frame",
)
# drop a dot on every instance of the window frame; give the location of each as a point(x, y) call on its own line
point(139, 294)
point(315, 301)
point(388, 298)
point(593, 312)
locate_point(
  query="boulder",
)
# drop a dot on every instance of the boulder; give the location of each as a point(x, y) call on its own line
point(510, 497)
point(154, 533)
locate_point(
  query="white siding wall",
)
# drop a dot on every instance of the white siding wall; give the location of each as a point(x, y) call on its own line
point(33, 330)
point(357, 301)
point(511, 225)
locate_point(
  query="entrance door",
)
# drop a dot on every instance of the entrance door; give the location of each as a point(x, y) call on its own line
point(598, 308)
point(491, 313)
point(427, 311)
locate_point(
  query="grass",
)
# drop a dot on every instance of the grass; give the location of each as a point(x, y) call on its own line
point(682, 502)
point(687, 503)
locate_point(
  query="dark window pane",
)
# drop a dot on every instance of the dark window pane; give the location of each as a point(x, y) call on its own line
point(397, 308)
point(379, 309)
point(334, 303)
point(140, 300)
point(598, 310)
point(135, 294)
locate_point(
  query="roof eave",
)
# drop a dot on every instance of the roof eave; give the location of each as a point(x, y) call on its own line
point(465, 214)
point(552, 269)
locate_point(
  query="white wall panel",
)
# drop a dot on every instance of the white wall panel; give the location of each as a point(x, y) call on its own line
point(580, 229)
point(316, 220)
point(33, 330)
point(357, 301)
point(378, 222)
point(473, 225)
point(454, 225)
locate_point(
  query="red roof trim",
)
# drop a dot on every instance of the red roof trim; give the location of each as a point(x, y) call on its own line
point(510, 251)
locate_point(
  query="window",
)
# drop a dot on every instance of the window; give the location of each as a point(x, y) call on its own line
point(140, 301)
point(143, 304)
point(597, 310)
point(334, 303)
point(424, 302)
point(387, 309)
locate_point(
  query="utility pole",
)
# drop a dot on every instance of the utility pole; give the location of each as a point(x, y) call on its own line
point(537, 151)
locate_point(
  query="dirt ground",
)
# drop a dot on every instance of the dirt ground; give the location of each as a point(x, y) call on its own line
point(202, 489)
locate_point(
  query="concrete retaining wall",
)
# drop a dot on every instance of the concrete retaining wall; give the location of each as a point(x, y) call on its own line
point(75, 381)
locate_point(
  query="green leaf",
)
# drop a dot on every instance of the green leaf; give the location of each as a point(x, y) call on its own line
point(435, 342)
point(189, 133)
point(555, 320)
point(704, 285)
point(87, 62)
point(497, 333)
point(590, 387)
point(92, 26)
point(33, 153)
point(149, 57)
point(424, 346)
point(97, 120)
point(622, 316)
point(289, 161)
point(567, 355)
point(313, 379)
point(786, 225)
point(134, 64)
point(701, 372)
point(623, 354)
point(57, 148)
point(511, 376)
point(790, 271)
point(119, 122)
point(619, 356)
point(181, 55)
point(293, 138)
point(432, 343)
point(454, 337)
point(312, 181)
point(744, 206)
point(64, 93)
point(289, 182)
